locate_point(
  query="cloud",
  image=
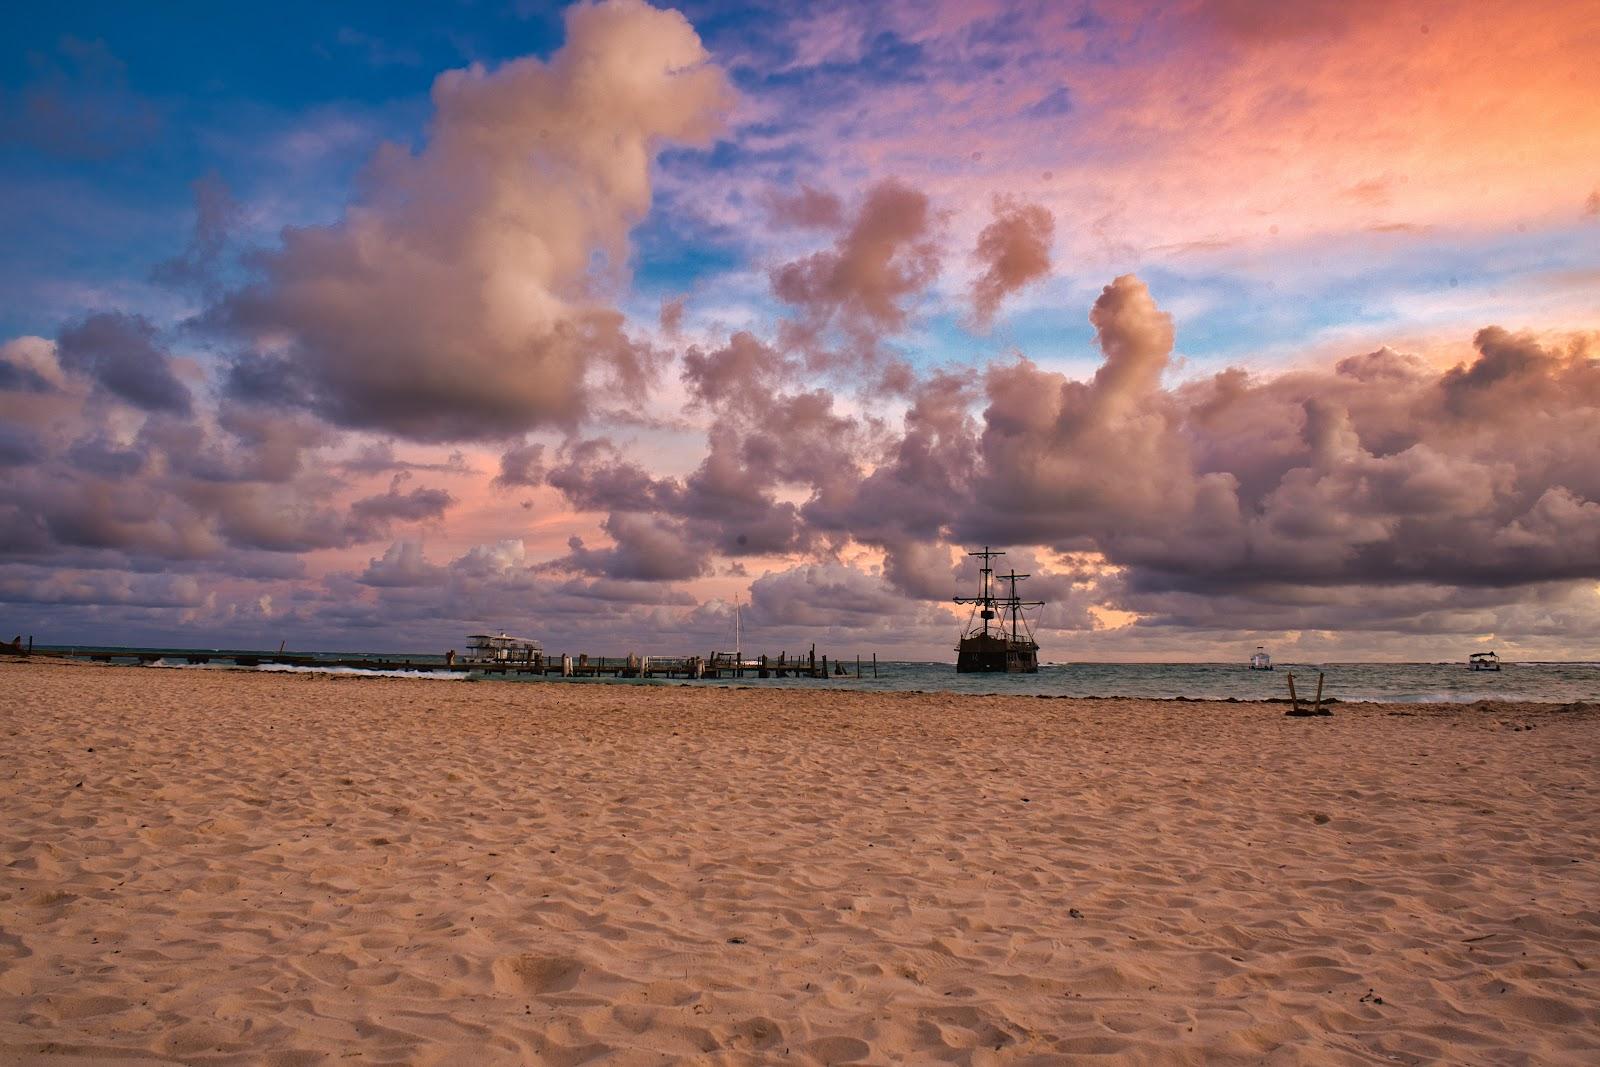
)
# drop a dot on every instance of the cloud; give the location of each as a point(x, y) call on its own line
point(647, 548)
point(18, 446)
point(522, 465)
point(402, 566)
point(78, 106)
point(459, 297)
point(119, 353)
point(806, 209)
point(887, 256)
point(216, 213)
point(60, 587)
point(29, 365)
point(1014, 250)
point(418, 505)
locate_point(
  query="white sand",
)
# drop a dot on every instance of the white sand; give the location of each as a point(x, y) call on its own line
point(226, 867)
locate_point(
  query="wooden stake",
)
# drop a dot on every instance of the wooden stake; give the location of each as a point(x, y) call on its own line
point(1294, 701)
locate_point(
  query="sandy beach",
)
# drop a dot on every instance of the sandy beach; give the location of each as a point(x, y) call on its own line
point(219, 867)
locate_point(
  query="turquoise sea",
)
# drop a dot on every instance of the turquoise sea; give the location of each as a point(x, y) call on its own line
point(1398, 682)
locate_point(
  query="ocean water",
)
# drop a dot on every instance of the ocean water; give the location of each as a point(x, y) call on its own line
point(1390, 682)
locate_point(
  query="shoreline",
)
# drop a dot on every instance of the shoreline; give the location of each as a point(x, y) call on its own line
point(239, 867)
point(840, 684)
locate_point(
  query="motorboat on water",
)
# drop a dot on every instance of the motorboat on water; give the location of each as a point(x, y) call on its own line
point(1483, 661)
point(501, 648)
point(1260, 661)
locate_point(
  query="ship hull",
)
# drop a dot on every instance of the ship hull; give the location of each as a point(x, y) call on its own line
point(996, 655)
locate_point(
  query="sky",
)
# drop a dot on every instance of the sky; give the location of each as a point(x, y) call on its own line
point(367, 326)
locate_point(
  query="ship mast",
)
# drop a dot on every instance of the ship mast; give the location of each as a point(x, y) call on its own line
point(986, 597)
point(1014, 603)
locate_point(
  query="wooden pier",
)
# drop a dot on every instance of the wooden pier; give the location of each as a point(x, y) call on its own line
point(716, 667)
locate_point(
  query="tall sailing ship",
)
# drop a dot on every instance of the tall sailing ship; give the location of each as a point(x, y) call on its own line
point(998, 638)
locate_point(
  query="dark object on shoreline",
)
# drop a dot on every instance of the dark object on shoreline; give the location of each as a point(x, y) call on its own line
point(1294, 701)
point(1010, 647)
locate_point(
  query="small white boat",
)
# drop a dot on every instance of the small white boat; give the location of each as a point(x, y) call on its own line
point(1260, 661)
point(501, 648)
point(1483, 661)
point(736, 658)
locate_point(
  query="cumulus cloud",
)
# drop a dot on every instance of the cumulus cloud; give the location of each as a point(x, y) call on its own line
point(1378, 471)
point(120, 354)
point(458, 298)
point(648, 548)
point(886, 257)
point(29, 365)
point(1014, 251)
point(401, 566)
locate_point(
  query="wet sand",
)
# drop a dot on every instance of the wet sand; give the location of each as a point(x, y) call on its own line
point(237, 868)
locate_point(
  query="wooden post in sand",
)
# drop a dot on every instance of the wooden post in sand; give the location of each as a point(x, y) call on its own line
point(874, 664)
point(1294, 701)
point(858, 664)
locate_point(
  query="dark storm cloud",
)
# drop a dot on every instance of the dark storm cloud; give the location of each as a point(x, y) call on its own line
point(120, 354)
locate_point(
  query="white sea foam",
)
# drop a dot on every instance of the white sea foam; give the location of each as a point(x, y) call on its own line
point(291, 668)
point(437, 676)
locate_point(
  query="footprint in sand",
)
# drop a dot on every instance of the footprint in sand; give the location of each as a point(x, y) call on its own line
point(838, 1049)
point(537, 974)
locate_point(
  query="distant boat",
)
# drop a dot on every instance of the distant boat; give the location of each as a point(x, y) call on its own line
point(1260, 661)
point(1483, 661)
point(736, 658)
point(1000, 641)
point(501, 648)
